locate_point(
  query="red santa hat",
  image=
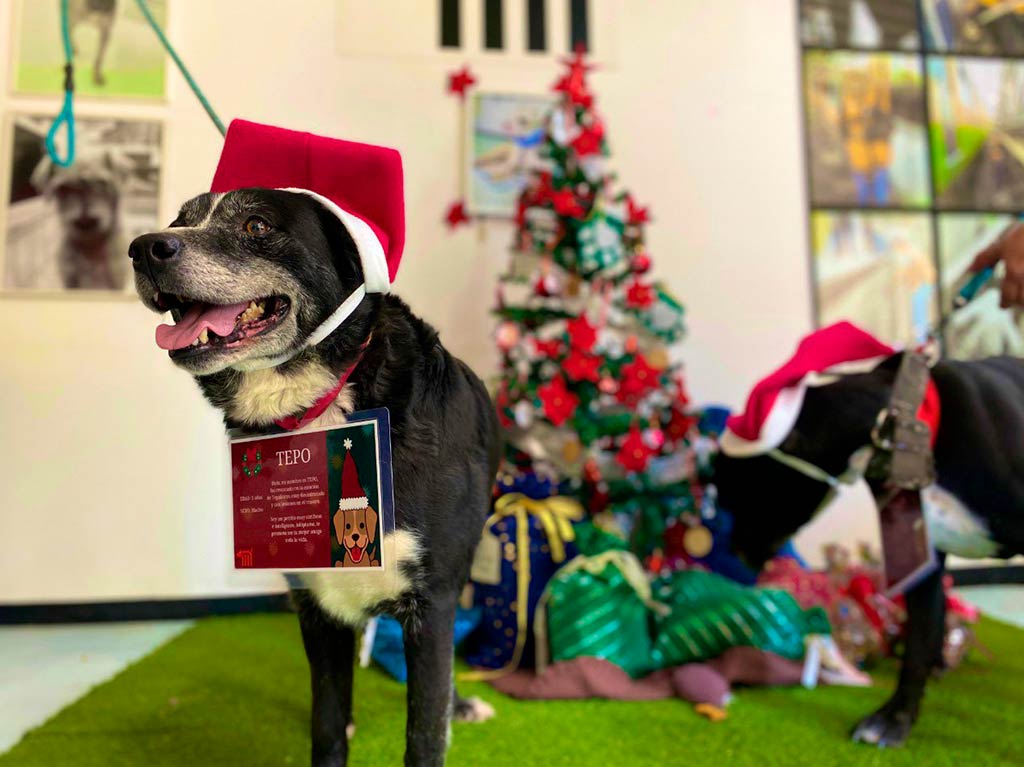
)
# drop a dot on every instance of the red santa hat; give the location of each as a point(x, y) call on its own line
point(774, 404)
point(352, 494)
point(360, 184)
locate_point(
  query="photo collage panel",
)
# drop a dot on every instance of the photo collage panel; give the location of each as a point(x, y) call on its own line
point(914, 129)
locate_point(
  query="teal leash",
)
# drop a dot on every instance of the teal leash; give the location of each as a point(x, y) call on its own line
point(181, 65)
point(66, 117)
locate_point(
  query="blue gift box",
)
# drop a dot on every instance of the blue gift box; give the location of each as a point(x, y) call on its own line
point(389, 649)
point(504, 637)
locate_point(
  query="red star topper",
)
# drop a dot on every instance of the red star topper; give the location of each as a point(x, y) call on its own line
point(573, 84)
point(456, 215)
point(461, 81)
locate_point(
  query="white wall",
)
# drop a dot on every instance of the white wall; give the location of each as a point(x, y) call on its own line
point(113, 476)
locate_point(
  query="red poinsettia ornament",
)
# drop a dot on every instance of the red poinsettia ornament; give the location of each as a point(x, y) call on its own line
point(582, 335)
point(639, 295)
point(566, 204)
point(558, 402)
point(580, 366)
point(634, 453)
point(636, 214)
point(636, 379)
point(549, 349)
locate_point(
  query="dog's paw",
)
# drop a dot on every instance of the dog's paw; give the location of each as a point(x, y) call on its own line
point(473, 710)
point(884, 728)
point(350, 730)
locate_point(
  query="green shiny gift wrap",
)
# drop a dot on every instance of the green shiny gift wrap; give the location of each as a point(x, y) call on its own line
point(592, 540)
point(709, 614)
point(598, 607)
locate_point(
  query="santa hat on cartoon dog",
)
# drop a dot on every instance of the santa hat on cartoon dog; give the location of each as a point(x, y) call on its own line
point(355, 522)
point(360, 184)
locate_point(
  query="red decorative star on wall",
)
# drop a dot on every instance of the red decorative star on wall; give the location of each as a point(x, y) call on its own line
point(456, 215)
point(461, 81)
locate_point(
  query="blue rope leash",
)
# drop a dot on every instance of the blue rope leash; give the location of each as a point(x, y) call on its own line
point(66, 117)
point(181, 65)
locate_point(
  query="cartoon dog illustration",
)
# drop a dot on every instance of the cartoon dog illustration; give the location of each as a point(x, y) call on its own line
point(355, 521)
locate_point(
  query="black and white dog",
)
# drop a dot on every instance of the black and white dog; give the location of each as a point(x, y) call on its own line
point(975, 509)
point(286, 263)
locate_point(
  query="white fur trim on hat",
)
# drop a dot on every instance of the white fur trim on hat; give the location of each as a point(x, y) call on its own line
point(777, 426)
point(351, 504)
point(786, 410)
point(371, 251)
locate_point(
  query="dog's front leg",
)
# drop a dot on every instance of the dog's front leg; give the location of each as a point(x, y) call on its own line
point(429, 641)
point(890, 725)
point(330, 649)
point(97, 68)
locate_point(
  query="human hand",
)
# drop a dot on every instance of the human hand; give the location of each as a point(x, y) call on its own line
point(1008, 248)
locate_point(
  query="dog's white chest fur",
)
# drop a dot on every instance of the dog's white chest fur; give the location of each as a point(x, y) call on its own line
point(349, 595)
point(954, 528)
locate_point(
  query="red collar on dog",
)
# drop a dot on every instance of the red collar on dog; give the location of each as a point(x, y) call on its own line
point(931, 409)
point(292, 422)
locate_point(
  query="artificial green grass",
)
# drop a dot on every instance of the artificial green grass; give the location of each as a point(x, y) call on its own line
point(233, 691)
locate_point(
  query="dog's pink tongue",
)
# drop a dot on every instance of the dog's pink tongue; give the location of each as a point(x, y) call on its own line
point(219, 319)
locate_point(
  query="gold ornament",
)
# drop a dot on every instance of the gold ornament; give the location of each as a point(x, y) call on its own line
point(571, 449)
point(698, 542)
point(657, 358)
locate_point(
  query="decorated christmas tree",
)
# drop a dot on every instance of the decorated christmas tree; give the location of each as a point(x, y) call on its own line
point(592, 394)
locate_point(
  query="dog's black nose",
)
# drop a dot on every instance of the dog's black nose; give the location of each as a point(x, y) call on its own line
point(355, 536)
point(156, 249)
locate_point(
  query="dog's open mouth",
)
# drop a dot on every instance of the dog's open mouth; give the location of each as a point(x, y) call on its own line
point(201, 327)
point(356, 553)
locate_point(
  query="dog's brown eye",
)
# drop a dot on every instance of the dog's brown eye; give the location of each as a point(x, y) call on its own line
point(348, 526)
point(361, 525)
point(256, 226)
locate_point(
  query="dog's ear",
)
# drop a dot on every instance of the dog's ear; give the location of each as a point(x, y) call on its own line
point(42, 175)
point(343, 248)
point(371, 523)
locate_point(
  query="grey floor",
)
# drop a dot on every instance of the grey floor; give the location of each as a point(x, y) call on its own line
point(44, 668)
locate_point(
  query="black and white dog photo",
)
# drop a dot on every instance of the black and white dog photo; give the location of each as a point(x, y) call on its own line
point(974, 509)
point(281, 263)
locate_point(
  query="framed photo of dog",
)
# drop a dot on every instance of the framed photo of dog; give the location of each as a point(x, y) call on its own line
point(116, 54)
point(68, 229)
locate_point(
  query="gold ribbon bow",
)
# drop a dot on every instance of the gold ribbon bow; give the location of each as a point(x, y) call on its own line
point(555, 515)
